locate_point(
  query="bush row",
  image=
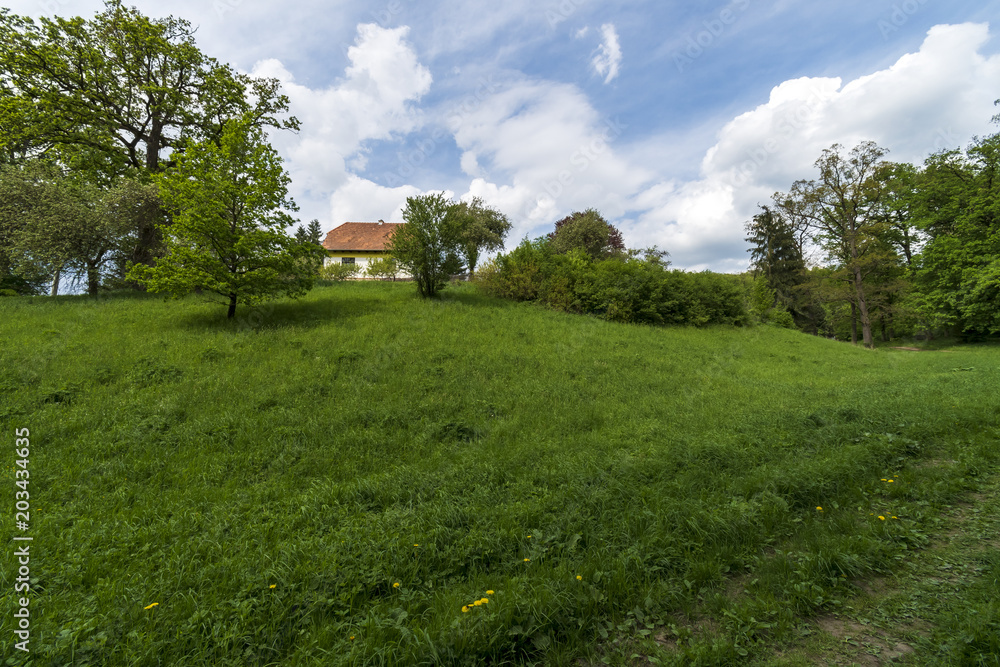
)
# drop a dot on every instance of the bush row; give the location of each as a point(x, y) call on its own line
point(619, 288)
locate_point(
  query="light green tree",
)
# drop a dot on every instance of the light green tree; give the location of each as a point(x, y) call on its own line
point(229, 203)
point(429, 243)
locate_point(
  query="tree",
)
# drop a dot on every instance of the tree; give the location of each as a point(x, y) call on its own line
point(845, 210)
point(775, 254)
point(429, 242)
point(482, 228)
point(383, 268)
point(957, 278)
point(587, 231)
point(119, 94)
point(311, 238)
point(55, 222)
point(228, 234)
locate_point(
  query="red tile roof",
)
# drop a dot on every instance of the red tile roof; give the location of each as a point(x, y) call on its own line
point(361, 236)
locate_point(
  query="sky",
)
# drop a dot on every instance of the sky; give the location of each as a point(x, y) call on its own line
point(673, 119)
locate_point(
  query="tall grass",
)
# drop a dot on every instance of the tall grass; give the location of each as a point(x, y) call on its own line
point(268, 482)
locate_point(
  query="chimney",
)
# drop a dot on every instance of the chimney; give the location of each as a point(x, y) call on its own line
point(381, 221)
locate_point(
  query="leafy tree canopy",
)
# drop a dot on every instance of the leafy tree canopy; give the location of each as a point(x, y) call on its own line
point(429, 244)
point(587, 231)
point(119, 92)
point(229, 202)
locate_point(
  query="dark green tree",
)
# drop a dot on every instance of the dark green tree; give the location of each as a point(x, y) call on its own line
point(587, 231)
point(482, 229)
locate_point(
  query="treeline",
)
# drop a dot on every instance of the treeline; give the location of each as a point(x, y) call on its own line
point(584, 267)
point(897, 250)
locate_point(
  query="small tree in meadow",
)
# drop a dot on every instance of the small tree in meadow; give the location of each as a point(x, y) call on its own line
point(229, 203)
point(429, 243)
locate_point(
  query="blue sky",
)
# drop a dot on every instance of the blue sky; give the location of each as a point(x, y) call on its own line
point(673, 119)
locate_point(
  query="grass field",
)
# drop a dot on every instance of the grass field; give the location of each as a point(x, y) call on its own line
point(336, 481)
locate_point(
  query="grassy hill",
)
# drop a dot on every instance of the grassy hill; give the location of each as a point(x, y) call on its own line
point(332, 481)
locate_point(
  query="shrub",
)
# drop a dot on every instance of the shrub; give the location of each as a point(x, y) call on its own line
point(621, 288)
point(339, 272)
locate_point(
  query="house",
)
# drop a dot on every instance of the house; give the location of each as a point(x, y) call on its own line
point(359, 242)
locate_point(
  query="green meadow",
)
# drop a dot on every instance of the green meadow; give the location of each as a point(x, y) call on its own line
point(339, 480)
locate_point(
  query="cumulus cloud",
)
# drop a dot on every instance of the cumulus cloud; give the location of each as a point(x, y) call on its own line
point(609, 54)
point(548, 152)
point(935, 98)
point(374, 100)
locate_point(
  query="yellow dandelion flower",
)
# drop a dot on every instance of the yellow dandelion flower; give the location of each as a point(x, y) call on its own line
point(152, 605)
point(352, 638)
point(579, 578)
point(820, 509)
point(529, 537)
point(881, 518)
point(416, 545)
point(489, 592)
point(485, 600)
point(272, 586)
point(527, 560)
point(396, 585)
point(884, 479)
point(891, 481)
point(478, 603)
point(895, 517)
point(465, 609)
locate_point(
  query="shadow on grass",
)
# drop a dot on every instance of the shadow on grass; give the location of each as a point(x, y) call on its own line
point(306, 313)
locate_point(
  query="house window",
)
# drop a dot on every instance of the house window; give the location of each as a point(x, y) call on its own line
point(347, 260)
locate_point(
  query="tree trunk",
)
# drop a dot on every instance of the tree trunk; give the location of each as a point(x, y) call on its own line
point(93, 280)
point(55, 282)
point(866, 323)
point(232, 306)
point(854, 323)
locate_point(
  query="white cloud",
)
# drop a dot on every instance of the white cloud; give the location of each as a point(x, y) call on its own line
point(938, 97)
point(374, 100)
point(609, 57)
point(360, 200)
point(553, 152)
point(582, 32)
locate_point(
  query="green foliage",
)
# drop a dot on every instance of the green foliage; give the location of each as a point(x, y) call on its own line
point(587, 231)
point(620, 288)
point(337, 272)
point(430, 242)
point(957, 280)
point(383, 268)
point(55, 222)
point(675, 471)
point(228, 235)
point(482, 228)
point(112, 93)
